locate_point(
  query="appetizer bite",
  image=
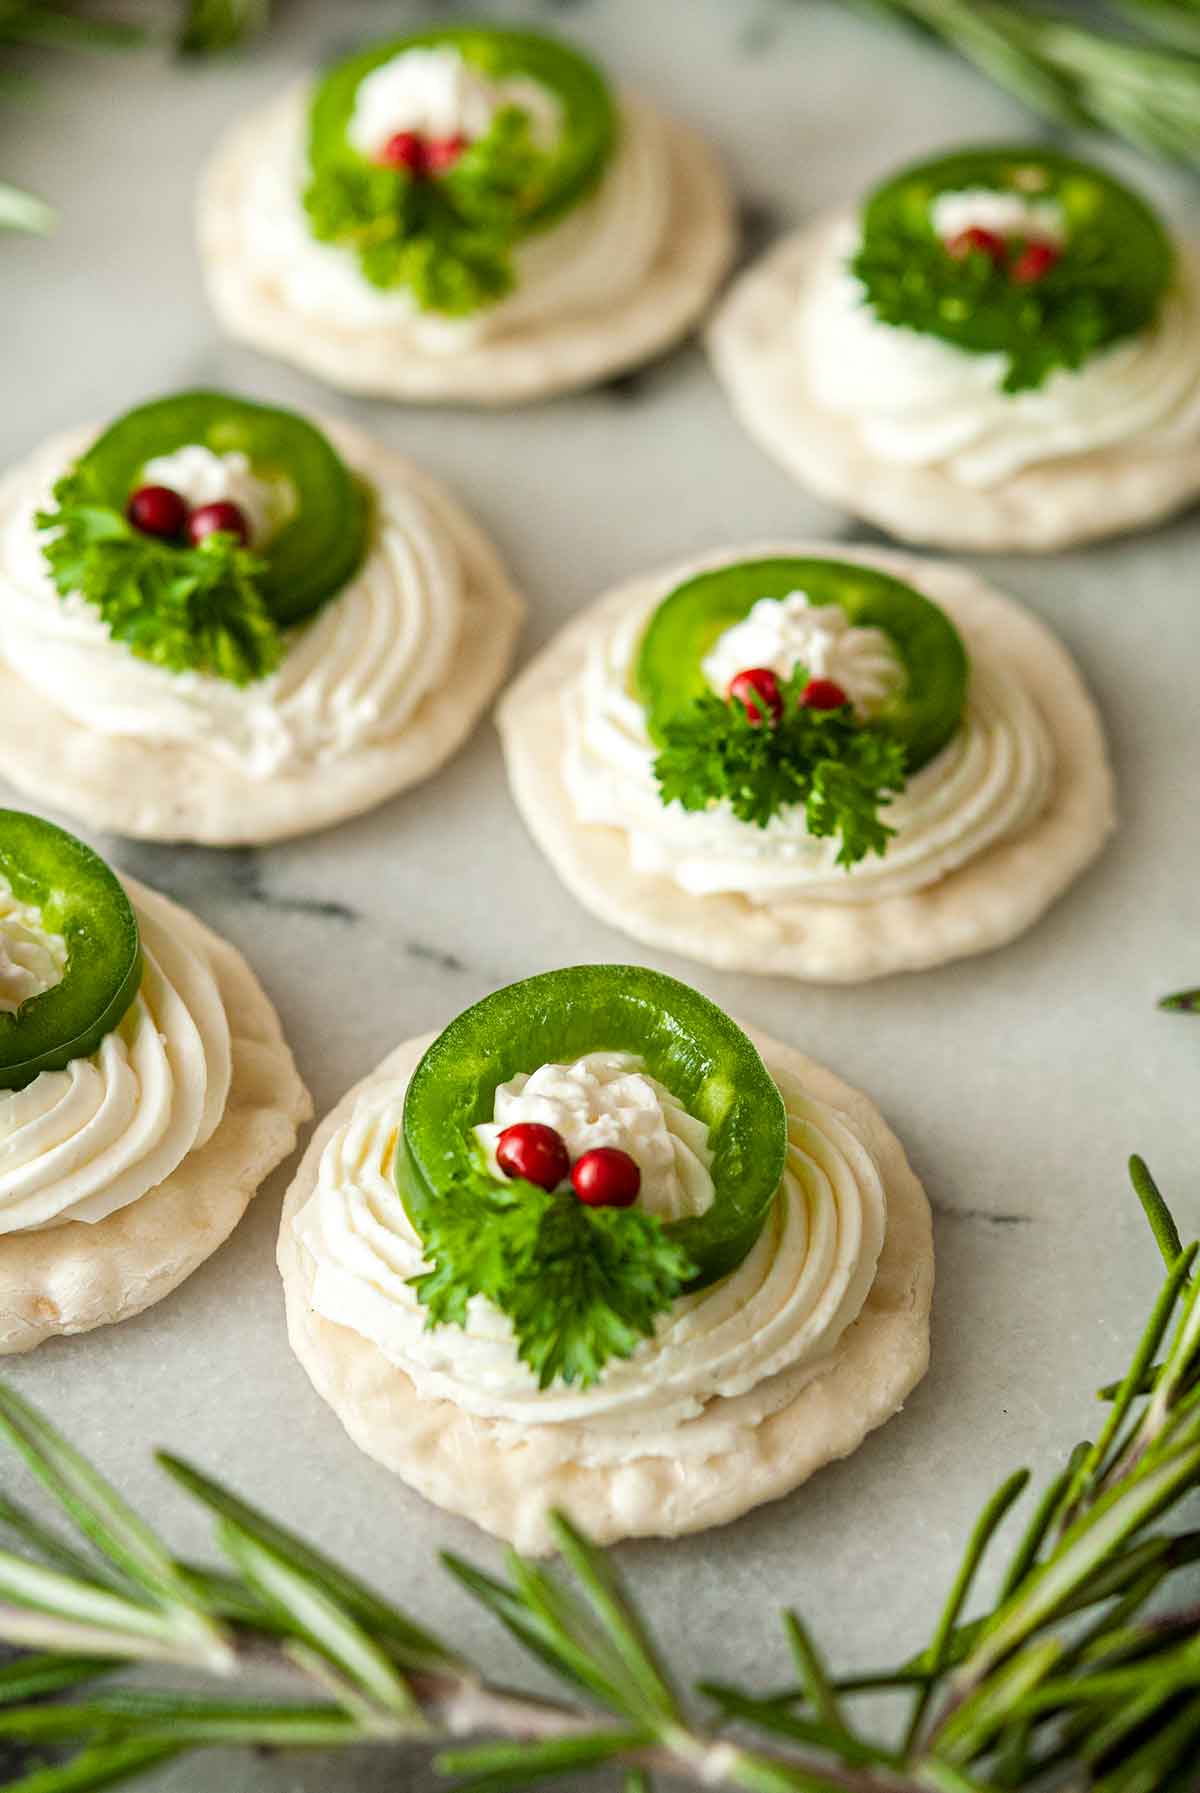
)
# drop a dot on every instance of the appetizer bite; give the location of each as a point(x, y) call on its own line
point(463, 213)
point(1000, 350)
point(821, 763)
point(145, 1089)
point(597, 1247)
point(221, 623)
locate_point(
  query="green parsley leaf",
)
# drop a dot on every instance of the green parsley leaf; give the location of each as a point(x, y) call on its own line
point(184, 609)
point(841, 771)
point(449, 239)
point(502, 175)
point(580, 1285)
point(1080, 306)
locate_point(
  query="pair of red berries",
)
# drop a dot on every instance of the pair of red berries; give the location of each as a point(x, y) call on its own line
point(601, 1178)
point(422, 156)
point(161, 511)
point(1031, 265)
point(757, 690)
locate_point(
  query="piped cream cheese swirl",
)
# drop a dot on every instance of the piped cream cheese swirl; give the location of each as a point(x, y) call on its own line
point(590, 260)
point(352, 676)
point(920, 402)
point(992, 779)
point(753, 1339)
point(81, 1143)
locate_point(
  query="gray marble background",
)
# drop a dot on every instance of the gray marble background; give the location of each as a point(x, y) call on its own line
point(1019, 1081)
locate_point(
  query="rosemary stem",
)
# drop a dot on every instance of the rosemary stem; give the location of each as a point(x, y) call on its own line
point(461, 1705)
point(985, 1528)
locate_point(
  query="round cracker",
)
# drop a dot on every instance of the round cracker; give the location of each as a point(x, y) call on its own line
point(527, 364)
point(162, 790)
point(460, 1463)
point(986, 902)
point(71, 1278)
point(1058, 504)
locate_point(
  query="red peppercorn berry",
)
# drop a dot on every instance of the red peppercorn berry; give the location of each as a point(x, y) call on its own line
point(406, 149)
point(223, 518)
point(757, 690)
point(1034, 262)
point(823, 694)
point(157, 510)
point(977, 240)
point(537, 1153)
point(606, 1178)
point(441, 153)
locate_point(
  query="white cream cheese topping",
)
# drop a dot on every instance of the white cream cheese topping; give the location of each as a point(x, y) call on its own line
point(32, 959)
point(81, 1143)
point(783, 633)
point(1008, 214)
point(917, 401)
point(437, 92)
point(593, 258)
point(609, 1099)
point(202, 477)
point(992, 779)
point(754, 1338)
point(352, 676)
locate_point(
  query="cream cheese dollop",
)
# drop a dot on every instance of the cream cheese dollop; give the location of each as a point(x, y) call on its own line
point(201, 476)
point(81, 1143)
point(917, 401)
point(32, 957)
point(351, 676)
point(992, 779)
point(434, 90)
point(753, 1339)
point(595, 256)
point(783, 633)
point(610, 1099)
point(1007, 214)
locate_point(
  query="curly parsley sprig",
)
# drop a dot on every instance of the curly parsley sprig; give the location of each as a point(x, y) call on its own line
point(449, 240)
point(580, 1285)
point(1082, 304)
point(182, 608)
point(840, 771)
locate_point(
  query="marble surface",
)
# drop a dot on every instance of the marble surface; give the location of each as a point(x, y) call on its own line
point(1020, 1081)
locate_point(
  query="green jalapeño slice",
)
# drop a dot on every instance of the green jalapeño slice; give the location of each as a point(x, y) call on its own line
point(78, 900)
point(1061, 261)
point(684, 1040)
point(205, 587)
point(321, 540)
point(923, 712)
point(440, 215)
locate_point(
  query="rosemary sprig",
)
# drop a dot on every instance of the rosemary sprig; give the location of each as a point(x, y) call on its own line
point(1184, 1002)
point(1138, 79)
point(213, 25)
point(24, 211)
point(200, 26)
point(45, 22)
point(1073, 1678)
point(40, 23)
